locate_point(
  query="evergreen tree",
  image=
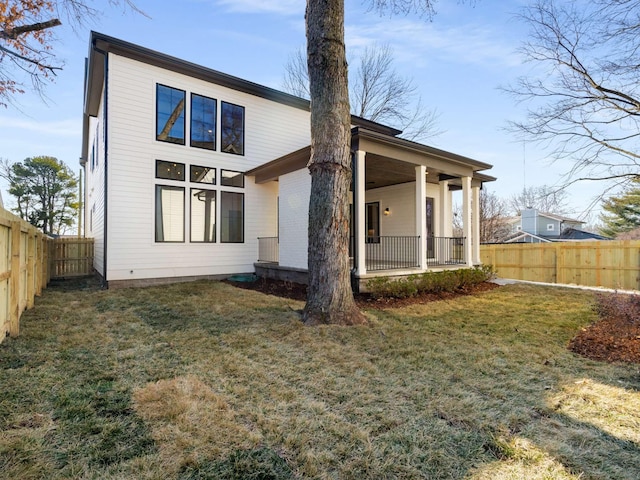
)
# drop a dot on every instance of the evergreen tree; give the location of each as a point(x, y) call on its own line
point(622, 213)
point(45, 192)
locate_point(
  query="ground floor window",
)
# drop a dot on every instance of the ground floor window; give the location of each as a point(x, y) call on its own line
point(373, 222)
point(193, 208)
point(203, 215)
point(169, 214)
point(231, 217)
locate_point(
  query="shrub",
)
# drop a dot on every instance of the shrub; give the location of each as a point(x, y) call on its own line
point(429, 282)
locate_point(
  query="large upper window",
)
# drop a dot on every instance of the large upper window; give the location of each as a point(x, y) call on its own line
point(231, 217)
point(232, 128)
point(169, 214)
point(203, 215)
point(170, 114)
point(203, 122)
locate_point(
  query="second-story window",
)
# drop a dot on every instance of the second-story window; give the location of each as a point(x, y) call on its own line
point(203, 122)
point(170, 114)
point(232, 128)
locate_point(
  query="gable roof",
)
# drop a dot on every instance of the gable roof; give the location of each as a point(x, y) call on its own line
point(559, 218)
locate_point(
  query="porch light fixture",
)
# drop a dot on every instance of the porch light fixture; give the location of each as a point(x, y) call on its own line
point(387, 212)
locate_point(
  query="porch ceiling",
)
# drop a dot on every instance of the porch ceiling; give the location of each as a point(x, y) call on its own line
point(384, 171)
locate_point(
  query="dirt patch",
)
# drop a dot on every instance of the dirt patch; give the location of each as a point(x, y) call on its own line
point(297, 291)
point(611, 339)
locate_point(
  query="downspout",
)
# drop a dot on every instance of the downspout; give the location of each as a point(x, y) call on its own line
point(105, 114)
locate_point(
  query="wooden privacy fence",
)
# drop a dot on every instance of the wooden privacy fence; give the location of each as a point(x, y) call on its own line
point(71, 257)
point(29, 259)
point(24, 271)
point(610, 264)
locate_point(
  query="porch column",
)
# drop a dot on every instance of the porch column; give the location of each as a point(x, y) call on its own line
point(421, 214)
point(466, 220)
point(359, 210)
point(475, 220)
point(446, 211)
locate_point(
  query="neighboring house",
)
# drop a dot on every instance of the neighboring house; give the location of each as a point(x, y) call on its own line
point(192, 173)
point(532, 226)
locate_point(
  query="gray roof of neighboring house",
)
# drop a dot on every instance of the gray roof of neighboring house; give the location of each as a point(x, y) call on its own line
point(552, 216)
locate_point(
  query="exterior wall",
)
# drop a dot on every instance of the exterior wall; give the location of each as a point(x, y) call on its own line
point(94, 189)
point(271, 130)
point(544, 224)
point(400, 199)
point(295, 191)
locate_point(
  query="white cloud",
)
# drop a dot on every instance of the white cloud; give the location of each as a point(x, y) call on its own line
point(280, 7)
point(419, 42)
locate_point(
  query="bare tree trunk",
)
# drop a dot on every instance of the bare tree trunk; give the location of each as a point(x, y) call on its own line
point(329, 297)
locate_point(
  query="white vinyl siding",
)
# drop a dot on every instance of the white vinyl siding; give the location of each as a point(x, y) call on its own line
point(295, 190)
point(271, 130)
point(94, 189)
point(400, 199)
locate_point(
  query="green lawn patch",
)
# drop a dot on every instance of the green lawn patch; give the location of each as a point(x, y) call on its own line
point(204, 380)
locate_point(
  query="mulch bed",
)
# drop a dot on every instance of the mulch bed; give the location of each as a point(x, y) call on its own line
point(611, 339)
point(296, 291)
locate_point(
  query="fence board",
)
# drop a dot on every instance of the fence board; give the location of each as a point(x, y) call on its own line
point(71, 257)
point(609, 264)
point(22, 259)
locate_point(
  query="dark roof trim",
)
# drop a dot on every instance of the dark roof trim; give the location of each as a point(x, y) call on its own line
point(101, 44)
point(281, 166)
point(358, 132)
point(106, 43)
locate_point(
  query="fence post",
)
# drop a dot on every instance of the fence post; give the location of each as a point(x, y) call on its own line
point(14, 281)
point(31, 288)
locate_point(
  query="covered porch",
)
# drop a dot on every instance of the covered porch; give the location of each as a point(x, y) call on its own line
point(401, 207)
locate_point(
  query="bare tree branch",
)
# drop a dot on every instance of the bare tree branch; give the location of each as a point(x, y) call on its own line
point(586, 104)
point(377, 92)
point(26, 41)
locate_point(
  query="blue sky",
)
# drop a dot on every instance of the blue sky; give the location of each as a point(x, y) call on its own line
point(458, 61)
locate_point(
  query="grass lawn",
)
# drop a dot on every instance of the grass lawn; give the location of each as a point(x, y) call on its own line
point(203, 380)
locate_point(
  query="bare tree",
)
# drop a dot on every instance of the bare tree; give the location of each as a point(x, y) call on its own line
point(493, 218)
point(377, 92)
point(26, 50)
point(329, 296)
point(494, 224)
point(586, 101)
point(543, 198)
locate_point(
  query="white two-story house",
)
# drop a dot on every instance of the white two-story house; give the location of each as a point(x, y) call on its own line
point(192, 173)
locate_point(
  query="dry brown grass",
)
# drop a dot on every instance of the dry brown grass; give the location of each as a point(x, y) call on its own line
point(203, 380)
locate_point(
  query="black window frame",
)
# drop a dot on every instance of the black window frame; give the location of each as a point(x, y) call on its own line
point(222, 194)
point(223, 127)
point(375, 238)
point(215, 214)
point(215, 121)
point(155, 225)
point(184, 115)
point(222, 178)
point(175, 164)
point(215, 174)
